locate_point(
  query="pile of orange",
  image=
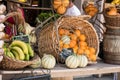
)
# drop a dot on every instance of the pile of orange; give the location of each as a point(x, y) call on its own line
point(77, 43)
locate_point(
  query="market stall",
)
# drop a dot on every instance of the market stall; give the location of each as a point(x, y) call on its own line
point(58, 42)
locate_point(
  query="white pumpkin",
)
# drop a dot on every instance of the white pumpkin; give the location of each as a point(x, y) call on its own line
point(65, 39)
point(48, 61)
point(72, 61)
point(83, 61)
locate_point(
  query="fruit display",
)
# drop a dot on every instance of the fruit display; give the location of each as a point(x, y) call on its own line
point(112, 11)
point(60, 6)
point(48, 61)
point(19, 50)
point(91, 10)
point(115, 2)
point(76, 41)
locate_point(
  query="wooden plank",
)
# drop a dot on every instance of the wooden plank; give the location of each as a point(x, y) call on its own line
point(62, 71)
point(63, 78)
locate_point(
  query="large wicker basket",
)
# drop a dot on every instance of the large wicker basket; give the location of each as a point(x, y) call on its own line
point(48, 41)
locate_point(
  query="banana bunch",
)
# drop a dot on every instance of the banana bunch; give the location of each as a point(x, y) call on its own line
point(115, 2)
point(19, 50)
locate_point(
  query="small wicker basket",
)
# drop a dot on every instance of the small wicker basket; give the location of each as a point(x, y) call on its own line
point(48, 38)
point(13, 64)
point(112, 20)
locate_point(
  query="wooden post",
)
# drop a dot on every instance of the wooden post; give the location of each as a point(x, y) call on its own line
point(63, 78)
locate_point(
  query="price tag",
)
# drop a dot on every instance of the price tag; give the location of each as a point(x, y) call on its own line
point(24, 38)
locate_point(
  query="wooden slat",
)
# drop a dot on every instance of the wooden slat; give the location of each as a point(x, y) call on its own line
point(62, 71)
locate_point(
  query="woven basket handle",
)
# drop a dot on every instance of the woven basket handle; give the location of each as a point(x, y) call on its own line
point(14, 14)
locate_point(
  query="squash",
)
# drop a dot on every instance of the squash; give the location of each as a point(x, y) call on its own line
point(72, 61)
point(72, 43)
point(83, 61)
point(65, 3)
point(61, 9)
point(112, 11)
point(65, 39)
point(56, 4)
point(36, 64)
point(48, 61)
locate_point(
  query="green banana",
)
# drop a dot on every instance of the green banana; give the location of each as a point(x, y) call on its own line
point(19, 51)
point(20, 44)
point(30, 50)
point(15, 53)
point(9, 54)
point(12, 56)
point(27, 57)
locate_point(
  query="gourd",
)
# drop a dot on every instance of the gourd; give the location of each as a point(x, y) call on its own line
point(33, 38)
point(83, 61)
point(61, 10)
point(65, 39)
point(60, 6)
point(112, 11)
point(48, 61)
point(36, 64)
point(72, 61)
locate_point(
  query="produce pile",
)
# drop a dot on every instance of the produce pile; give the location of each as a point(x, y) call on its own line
point(113, 11)
point(91, 10)
point(116, 2)
point(60, 6)
point(19, 50)
point(77, 42)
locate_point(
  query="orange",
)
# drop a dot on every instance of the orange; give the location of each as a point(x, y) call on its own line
point(77, 32)
point(80, 51)
point(92, 50)
point(66, 32)
point(73, 37)
point(72, 43)
point(82, 43)
point(87, 52)
point(61, 31)
point(66, 46)
point(92, 57)
point(75, 48)
point(82, 37)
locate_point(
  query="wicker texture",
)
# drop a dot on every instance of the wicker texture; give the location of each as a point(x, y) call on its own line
point(13, 64)
point(48, 41)
point(112, 20)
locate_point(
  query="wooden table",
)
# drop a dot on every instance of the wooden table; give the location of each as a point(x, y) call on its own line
point(61, 72)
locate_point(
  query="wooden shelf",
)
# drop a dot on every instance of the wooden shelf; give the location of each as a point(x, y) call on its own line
point(62, 71)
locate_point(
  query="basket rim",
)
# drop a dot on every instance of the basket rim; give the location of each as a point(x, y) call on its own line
point(95, 34)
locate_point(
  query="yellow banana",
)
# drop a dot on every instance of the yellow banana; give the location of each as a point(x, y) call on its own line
point(30, 50)
point(20, 44)
point(15, 53)
point(19, 51)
